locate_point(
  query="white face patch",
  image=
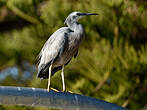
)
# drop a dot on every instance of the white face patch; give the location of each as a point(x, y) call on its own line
point(73, 17)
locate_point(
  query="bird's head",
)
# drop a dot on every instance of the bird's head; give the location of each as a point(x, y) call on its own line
point(75, 16)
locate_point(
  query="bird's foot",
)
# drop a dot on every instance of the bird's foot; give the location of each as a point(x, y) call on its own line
point(54, 89)
point(48, 89)
point(67, 91)
point(64, 90)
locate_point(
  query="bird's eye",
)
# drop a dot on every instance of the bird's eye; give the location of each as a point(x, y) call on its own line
point(78, 14)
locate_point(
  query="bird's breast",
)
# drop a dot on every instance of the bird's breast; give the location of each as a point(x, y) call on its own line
point(74, 41)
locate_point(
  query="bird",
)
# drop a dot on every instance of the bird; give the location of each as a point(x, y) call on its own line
point(61, 47)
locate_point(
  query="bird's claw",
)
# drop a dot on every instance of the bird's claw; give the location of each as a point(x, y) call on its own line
point(58, 90)
point(67, 91)
point(48, 89)
point(54, 89)
point(70, 91)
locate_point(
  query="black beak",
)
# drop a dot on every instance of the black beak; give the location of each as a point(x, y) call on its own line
point(86, 14)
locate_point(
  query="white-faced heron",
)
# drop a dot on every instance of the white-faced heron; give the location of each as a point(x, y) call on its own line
point(61, 46)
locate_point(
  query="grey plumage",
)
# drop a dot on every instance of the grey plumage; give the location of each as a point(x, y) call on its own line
point(59, 49)
point(53, 51)
point(61, 46)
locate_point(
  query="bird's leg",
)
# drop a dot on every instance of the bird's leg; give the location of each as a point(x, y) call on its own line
point(49, 78)
point(62, 75)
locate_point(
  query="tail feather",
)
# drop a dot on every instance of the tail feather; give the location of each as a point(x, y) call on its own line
point(44, 72)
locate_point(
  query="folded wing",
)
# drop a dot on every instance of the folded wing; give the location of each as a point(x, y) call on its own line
point(52, 50)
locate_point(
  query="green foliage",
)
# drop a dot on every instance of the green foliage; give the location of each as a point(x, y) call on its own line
point(112, 60)
point(123, 68)
point(22, 108)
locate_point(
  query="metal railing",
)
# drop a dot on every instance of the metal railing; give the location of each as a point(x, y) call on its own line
point(59, 100)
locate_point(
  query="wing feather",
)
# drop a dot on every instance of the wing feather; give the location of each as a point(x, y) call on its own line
point(53, 48)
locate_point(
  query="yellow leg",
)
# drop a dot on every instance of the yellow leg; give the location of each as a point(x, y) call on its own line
point(54, 89)
point(49, 78)
point(62, 75)
point(70, 92)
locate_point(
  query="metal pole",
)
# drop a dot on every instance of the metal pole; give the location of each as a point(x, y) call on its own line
point(59, 100)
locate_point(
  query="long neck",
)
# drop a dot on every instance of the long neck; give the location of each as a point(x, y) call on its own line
point(76, 27)
point(72, 25)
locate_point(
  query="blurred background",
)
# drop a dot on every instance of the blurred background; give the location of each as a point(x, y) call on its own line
point(112, 61)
